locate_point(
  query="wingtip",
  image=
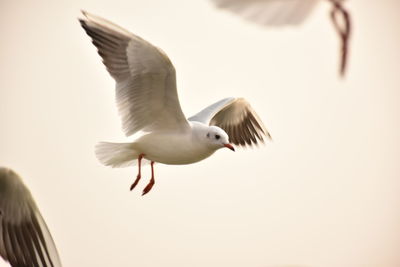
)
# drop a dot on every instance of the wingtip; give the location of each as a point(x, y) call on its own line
point(86, 16)
point(85, 13)
point(83, 20)
point(83, 23)
point(269, 136)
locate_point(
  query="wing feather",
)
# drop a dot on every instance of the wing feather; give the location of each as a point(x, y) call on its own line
point(146, 93)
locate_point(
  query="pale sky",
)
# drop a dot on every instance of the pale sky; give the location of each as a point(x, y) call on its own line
point(324, 193)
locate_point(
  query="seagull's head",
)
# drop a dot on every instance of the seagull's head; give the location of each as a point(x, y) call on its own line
point(217, 138)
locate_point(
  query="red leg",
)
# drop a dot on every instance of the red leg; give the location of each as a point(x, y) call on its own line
point(140, 171)
point(343, 29)
point(151, 183)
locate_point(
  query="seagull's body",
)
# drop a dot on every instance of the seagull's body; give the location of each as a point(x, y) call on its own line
point(24, 237)
point(148, 101)
point(178, 148)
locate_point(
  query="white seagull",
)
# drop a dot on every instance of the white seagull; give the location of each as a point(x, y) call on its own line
point(292, 12)
point(147, 100)
point(24, 237)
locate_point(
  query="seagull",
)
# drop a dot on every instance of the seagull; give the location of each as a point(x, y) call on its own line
point(147, 100)
point(25, 239)
point(292, 12)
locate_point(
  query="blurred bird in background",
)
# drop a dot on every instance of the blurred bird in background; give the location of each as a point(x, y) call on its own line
point(292, 12)
point(25, 239)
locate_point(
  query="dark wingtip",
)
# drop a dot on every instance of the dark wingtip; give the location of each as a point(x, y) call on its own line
point(269, 136)
point(81, 21)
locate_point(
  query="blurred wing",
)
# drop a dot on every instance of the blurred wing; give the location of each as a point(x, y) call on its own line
point(270, 12)
point(146, 93)
point(24, 237)
point(236, 117)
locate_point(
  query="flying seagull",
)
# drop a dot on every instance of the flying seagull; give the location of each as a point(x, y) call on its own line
point(147, 100)
point(24, 237)
point(292, 12)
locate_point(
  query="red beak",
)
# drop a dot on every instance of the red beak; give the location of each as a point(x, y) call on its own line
point(230, 147)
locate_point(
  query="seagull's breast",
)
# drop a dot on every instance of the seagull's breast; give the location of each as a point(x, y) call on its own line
point(172, 148)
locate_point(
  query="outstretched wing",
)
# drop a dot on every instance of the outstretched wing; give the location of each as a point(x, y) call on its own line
point(24, 237)
point(236, 117)
point(270, 12)
point(146, 93)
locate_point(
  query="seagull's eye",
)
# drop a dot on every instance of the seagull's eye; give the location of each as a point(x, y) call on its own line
point(208, 135)
point(217, 136)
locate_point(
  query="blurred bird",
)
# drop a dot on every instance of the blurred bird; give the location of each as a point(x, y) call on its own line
point(147, 100)
point(24, 237)
point(292, 12)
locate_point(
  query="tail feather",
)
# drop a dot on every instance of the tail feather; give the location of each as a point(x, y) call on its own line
point(116, 155)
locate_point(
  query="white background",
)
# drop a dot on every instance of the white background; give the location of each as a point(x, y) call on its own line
point(324, 193)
